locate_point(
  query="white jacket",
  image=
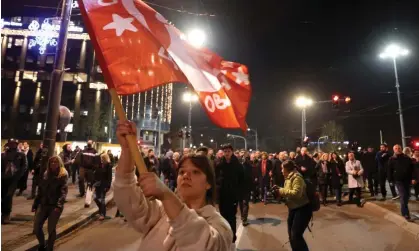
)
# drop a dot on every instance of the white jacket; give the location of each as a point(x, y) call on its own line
point(193, 230)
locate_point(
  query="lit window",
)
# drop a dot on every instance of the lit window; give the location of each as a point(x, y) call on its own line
point(106, 129)
point(50, 60)
point(69, 128)
point(39, 129)
point(18, 42)
point(84, 113)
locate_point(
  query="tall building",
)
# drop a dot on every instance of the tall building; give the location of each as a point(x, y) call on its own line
point(28, 46)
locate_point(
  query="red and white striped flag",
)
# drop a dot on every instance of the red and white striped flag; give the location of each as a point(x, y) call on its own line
point(138, 49)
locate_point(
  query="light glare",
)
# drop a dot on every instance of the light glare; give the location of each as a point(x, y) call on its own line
point(393, 51)
point(303, 102)
point(197, 38)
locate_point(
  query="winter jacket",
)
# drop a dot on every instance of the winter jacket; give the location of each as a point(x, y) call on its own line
point(277, 173)
point(323, 177)
point(400, 168)
point(368, 161)
point(201, 230)
point(247, 178)
point(152, 165)
point(294, 191)
point(103, 176)
point(66, 158)
point(264, 180)
point(307, 162)
point(337, 173)
point(52, 190)
point(351, 167)
point(382, 161)
point(229, 178)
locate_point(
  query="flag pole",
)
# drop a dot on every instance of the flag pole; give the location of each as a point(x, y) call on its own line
point(132, 141)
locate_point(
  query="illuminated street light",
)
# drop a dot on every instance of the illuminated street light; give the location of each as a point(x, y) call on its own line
point(190, 97)
point(197, 37)
point(394, 51)
point(303, 102)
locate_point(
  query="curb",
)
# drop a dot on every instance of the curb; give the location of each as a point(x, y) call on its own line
point(399, 220)
point(67, 228)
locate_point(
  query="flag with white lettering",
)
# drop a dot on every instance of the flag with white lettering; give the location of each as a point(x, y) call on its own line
point(138, 49)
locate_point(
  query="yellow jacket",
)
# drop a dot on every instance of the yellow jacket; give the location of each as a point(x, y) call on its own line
point(294, 191)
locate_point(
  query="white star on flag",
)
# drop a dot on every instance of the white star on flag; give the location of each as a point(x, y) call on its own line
point(241, 77)
point(120, 24)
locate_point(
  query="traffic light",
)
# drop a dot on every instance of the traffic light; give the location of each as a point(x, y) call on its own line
point(415, 144)
point(335, 101)
point(348, 100)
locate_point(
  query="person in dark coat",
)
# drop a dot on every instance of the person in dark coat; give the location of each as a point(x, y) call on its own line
point(229, 177)
point(49, 202)
point(66, 156)
point(306, 166)
point(370, 170)
point(277, 170)
point(382, 158)
point(265, 175)
point(13, 166)
point(246, 188)
point(23, 181)
point(255, 178)
point(152, 163)
point(102, 183)
point(36, 171)
point(169, 171)
point(337, 169)
point(323, 176)
point(400, 173)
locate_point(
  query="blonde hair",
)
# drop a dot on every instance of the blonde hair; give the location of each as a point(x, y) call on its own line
point(104, 157)
point(327, 155)
point(62, 172)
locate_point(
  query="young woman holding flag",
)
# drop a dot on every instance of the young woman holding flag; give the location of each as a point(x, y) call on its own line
point(187, 220)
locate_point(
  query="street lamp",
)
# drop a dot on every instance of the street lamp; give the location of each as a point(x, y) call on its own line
point(394, 51)
point(256, 136)
point(190, 98)
point(240, 137)
point(303, 102)
point(197, 37)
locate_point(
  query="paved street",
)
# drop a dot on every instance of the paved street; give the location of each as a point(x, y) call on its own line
point(345, 228)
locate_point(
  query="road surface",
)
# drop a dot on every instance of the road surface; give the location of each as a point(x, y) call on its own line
point(346, 228)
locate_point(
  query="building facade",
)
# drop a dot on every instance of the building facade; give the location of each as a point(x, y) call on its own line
point(28, 47)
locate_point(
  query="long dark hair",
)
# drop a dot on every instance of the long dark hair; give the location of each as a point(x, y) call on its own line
point(201, 162)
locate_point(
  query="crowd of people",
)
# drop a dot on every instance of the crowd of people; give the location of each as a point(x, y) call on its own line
point(50, 181)
point(190, 183)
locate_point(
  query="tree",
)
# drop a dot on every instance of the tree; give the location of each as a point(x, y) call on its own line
point(335, 133)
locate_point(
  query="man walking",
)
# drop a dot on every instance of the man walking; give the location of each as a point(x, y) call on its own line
point(229, 176)
point(400, 170)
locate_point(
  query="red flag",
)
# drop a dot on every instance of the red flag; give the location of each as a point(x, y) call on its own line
point(138, 49)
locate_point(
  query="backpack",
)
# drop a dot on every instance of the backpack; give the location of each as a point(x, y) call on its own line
point(90, 160)
point(312, 195)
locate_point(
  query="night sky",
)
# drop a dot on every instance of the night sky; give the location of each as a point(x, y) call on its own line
point(317, 48)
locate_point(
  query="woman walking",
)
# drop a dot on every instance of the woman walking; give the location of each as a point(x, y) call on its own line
point(323, 176)
point(49, 203)
point(337, 170)
point(300, 211)
point(103, 180)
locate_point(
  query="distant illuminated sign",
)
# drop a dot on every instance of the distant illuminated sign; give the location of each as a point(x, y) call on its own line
point(9, 23)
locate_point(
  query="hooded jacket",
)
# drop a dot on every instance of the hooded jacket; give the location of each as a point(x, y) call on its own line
point(201, 230)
